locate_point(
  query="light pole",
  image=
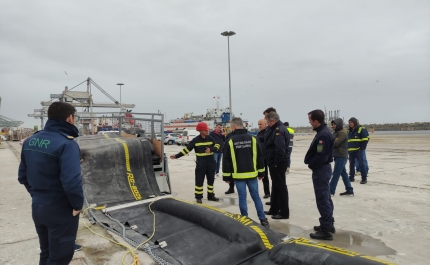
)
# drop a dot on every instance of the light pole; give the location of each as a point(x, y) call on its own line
point(120, 109)
point(228, 34)
point(120, 101)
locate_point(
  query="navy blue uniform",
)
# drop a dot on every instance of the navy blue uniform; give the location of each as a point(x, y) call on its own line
point(266, 184)
point(318, 158)
point(51, 172)
point(358, 137)
point(205, 163)
point(276, 142)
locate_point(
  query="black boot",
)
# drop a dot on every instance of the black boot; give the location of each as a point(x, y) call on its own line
point(199, 201)
point(229, 191)
point(264, 222)
point(322, 235)
point(213, 198)
point(318, 228)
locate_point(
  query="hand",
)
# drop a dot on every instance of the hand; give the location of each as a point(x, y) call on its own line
point(260, 178)
point(208, 150)
point(228, 182)
point(172, 157)
point(74, 213)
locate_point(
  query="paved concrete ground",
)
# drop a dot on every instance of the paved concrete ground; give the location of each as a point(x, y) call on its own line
point(388, 218)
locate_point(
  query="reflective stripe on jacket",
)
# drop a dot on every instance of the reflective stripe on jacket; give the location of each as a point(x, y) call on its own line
point(199, 144)
point(357, 139)
point(243, 158)
point(291, 131)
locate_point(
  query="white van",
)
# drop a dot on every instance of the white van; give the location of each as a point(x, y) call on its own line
point(188, 135)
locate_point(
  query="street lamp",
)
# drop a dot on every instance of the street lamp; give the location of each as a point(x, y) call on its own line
point(120, 101)
point(120, 110)
point(228, 34)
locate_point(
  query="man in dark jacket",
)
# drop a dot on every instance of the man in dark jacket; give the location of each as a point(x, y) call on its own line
point(318, 159)
point(244, 162)
point(358, 138)
point(262, 125)
point(340, 156)
point(50, 170)
point(219, 138)
point(276, 142)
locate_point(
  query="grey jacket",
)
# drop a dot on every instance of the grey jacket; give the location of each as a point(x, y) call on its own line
point(340, 140)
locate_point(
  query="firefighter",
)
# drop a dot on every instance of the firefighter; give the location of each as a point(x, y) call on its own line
point(204, 146)
point(358, 137)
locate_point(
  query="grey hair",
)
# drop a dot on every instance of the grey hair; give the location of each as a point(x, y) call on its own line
point(273, 116)
point(238, 122)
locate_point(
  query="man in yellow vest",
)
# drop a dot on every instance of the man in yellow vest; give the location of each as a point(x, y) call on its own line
point(290, 147)
point(243, 161)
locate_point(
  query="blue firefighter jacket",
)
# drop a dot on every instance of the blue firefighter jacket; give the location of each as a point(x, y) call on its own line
point(50, 166)
point(358, 138)
point(321, 150)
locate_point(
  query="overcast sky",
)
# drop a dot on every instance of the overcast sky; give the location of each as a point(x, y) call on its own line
point(367, 58)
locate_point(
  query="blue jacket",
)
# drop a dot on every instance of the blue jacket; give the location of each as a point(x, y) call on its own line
point(276, 142)
point(50, 166)
point(321, 150)
point(358, 137)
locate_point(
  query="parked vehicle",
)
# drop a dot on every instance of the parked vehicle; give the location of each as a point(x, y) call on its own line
point(171, 138)
point(188, 135)
point(179, 139)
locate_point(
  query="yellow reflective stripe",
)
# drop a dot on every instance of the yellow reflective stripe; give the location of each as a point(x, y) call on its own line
point(199, 187)
point(261, 170)
point(204, 154)
point(353, 149)
point(254, 153)
point(198, 192)
point(224, 174)
point(217, 146)
point(233, 155)
point(130, 176)
point(263, 236)
point(245, 175)
point(204, 143)
point(185, 151)
point(358, 140)
point(359, 129)
point(210, 187)
point(291, 131)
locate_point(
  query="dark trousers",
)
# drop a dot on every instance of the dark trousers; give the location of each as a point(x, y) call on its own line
point(205, 167)
point(352, 157)
point(279, 197)
point(320, 179)
point(56, 228)
point(265, 180)
point(290, 150)
point(231, 185)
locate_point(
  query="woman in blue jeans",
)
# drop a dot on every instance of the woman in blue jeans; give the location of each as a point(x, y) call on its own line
point(340, 155)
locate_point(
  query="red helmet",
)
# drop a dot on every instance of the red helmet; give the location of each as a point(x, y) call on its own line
point(202, 126)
